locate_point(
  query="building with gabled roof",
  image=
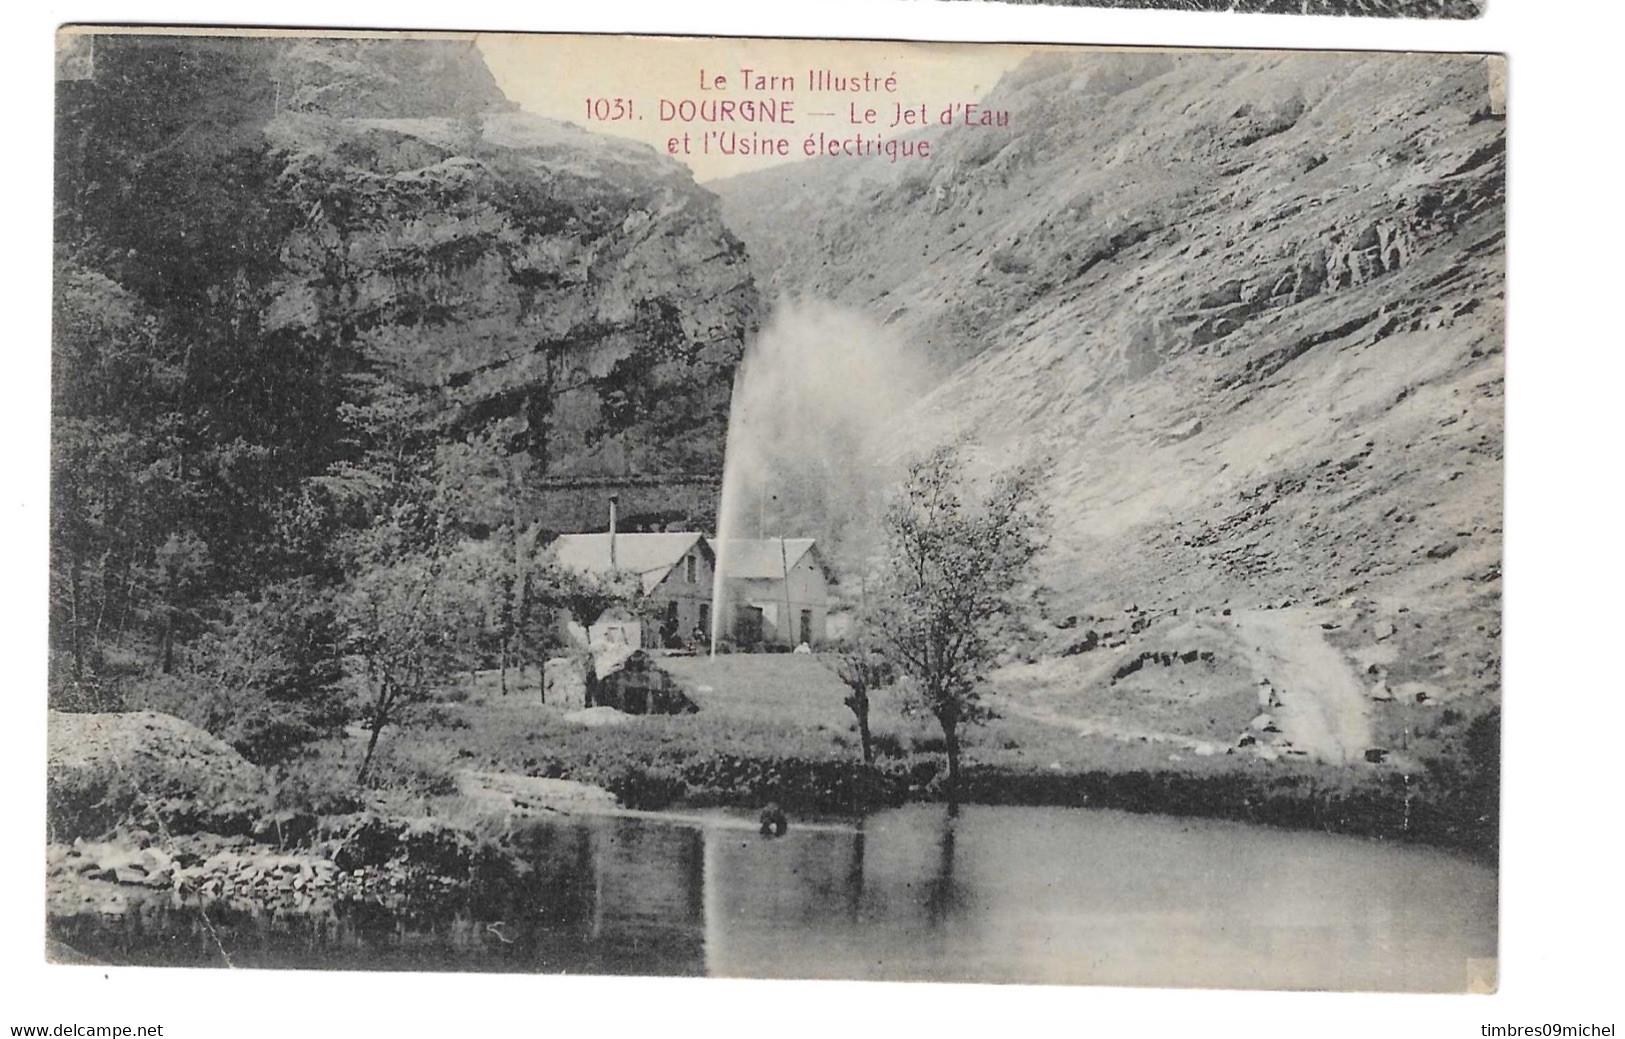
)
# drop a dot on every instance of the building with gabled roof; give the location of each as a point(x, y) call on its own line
point(775, 591)
point(675, 572)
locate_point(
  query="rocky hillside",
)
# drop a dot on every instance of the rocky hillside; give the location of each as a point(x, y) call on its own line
point(1252, 304)
point(396, 204)
point(360, 79)
point(587, 286)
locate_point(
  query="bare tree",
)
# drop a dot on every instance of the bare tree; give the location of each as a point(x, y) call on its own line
point(956, 557)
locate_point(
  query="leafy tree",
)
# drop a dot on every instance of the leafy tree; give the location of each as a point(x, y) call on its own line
point(265, 674)
point(956, 558)
point(409, 625)
point(863, 668)
point(408, 607)
point(586, 598)
point(119, 547)
point(493, 500)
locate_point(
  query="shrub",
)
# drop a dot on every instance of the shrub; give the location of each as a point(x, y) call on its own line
point(311, 786)
point(887, 745)
point(363, 839)
point(91, 801)
point(928, 744)
point(440, 717)
point(647, 788)
point(417, 771)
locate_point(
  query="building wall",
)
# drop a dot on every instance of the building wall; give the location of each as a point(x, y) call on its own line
point(677, 502)
point(693, 598)
point(613, 629)
point(808, 590)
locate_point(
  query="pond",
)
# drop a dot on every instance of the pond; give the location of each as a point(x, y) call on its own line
point(1037, 895)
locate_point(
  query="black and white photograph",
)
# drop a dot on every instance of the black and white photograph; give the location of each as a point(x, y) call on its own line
point(770, 508)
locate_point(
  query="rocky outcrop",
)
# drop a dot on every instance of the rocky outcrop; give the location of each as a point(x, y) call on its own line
point(104, 771)
point(385, 78)
point(1252, 304)
point(380, 206)
point(133, 743)
point(364, 856)
point(580, 291)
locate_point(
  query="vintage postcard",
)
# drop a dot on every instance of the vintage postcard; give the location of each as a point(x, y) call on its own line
point(777, 508)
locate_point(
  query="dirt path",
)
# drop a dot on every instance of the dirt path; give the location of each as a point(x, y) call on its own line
point(1323, 708)
point(1086, 726)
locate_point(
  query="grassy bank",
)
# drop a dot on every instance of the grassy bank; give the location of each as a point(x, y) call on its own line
point(804, 756)
point(794, 745)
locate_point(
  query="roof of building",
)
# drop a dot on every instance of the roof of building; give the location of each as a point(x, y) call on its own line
point(650, 556)
point(756, 558)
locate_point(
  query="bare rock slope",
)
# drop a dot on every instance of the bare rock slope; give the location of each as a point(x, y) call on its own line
point(1252, 304)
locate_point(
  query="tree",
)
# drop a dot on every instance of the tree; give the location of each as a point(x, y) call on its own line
point(123, 565)
point(863, 668)
point(955, 559)
point(411, 601)
point(409, 626)
point(586, 598)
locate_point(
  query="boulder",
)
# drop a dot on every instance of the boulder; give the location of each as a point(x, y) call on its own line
point(640, 686)
point(508, 792)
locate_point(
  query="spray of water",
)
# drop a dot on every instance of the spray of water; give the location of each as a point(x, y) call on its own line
point(727, 512)
point(804, 449)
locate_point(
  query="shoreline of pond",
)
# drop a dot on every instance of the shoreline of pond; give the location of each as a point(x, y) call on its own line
point(393, 859)
point(647, 893)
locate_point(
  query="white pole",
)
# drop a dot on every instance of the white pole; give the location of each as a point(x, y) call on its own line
point(784, 568)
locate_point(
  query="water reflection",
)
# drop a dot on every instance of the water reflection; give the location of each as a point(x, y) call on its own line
point(602, 896)
point(1007, 894)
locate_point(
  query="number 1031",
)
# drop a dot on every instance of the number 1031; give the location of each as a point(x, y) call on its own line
point(609, 109)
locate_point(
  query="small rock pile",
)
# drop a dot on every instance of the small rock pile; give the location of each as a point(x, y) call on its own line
point(359, 856)
point(203, 867)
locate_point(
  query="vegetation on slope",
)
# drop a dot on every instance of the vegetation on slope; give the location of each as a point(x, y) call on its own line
point(327, 313)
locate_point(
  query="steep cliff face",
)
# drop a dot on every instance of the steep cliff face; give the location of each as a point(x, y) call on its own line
point(1252, 304)
point(360, 78)
point(581, 287)
point(382, 203)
